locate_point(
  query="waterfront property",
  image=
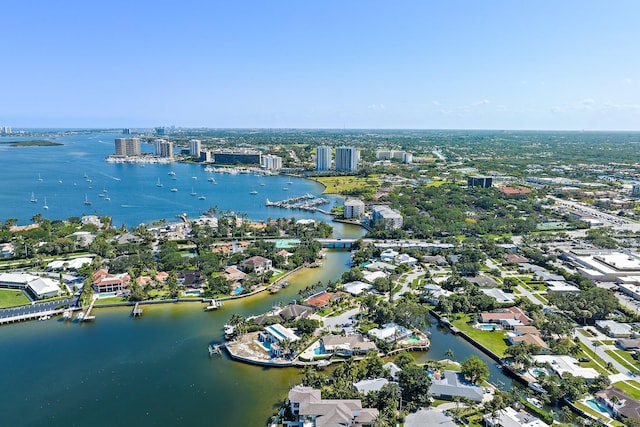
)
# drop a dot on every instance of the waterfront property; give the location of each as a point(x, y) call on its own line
point(566, 364)
point(509, 417)
point(103, 282)
point(310, 410)
point(36, 287)
point(452, 384)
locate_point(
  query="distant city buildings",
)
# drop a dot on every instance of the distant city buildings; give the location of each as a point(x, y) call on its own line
point(160, 131)
point(353, 209)
point(480, 181)
point(347, 159)
point(164, 148)
point(635, 190)
point(269, 161)
point(127, 147)
point(403, 156)
point(126, 131)
point(5, 130)
point(234, 157)
point(195, 146)
point(391, 218)
point(323, 158)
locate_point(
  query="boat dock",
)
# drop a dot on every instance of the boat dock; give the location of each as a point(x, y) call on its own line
point(137, 311)
point(214, 305)
point(215, 349)
point(307, 202)
point(86, 316)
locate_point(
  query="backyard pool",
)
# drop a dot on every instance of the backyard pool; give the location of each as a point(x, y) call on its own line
point(238, 290)
point(486, 326)
point(595, 404)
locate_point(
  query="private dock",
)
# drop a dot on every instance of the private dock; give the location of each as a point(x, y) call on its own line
point(215, 304)
point(137, 311)
point(87, 317)
point(215, 349)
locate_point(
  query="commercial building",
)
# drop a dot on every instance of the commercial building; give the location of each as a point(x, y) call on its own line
point(323, 158)
point(233, 158)
point(269, 161)
point(126, 147)
point(195, 146)
point(480, 181)
point(36, 287)
point(403, 156)
point(384, 214)
point(5, 130)
point(605, 265)
point(347, 159)
point(353, 209)
point(164, 148)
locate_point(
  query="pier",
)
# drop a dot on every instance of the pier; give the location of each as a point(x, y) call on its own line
point(215, 349)
point(215, 304)
point(86, 316)
point(307, 202)
point(137, 311)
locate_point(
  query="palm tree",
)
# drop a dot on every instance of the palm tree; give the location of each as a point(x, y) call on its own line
point(449, 354)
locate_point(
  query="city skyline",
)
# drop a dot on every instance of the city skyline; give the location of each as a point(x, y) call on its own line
point(356, 65)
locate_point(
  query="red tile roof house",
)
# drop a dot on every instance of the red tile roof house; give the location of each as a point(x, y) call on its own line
point(256, 264)
point(104, 282)
point(508, 314)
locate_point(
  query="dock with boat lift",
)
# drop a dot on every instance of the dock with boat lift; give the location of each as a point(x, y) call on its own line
point(214, 305)
point(86, 316)
point(137, 310)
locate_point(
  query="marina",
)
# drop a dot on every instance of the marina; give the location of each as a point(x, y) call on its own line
point(307, 202)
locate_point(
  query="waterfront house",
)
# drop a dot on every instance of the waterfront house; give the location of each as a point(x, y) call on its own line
point(393, 369)
point(509, 417)
point(284, 254)
point(390, 332)
point(356, 288)
point(256, 264)
point(565, 364)
point(103, 282)
point(325, 298)
point(621, 404)
point(532, 339)
point(367, 386)
point(347, 345)
point(499, 295)
point(433, 292)
point(190, 278)
point(452, 384)
point(507, 315)
point(310, 410)
point(274, 335)
point(293, 312)
point(234, 275)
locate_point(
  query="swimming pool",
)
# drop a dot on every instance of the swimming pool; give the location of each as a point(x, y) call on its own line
point(595, 404)
point(237, 290)
point(486, 326)
point(108, 295)
point(536, 372)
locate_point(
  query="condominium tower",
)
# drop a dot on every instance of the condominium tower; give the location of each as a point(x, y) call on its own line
point(323, 158)
point(347, 159)
point(128, 147)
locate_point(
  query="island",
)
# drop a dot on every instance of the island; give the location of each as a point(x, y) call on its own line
point(32, 143)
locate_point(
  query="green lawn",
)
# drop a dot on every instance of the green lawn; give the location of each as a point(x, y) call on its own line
point(629, 389)
point(596, 362)
point(493, 340)
point(13, 298)
point(623, 358)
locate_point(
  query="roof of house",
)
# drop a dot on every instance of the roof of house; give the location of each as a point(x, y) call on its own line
point(521, 330)
point(366, 386)
point(627, 406)
point(348, 342)
point(514, 258)
point(43, 286)
point(614, 327)
point(482, 280)
point(453, 384)
point(530, 339)
point(564, 364)
point(629, 343)
point(498, 294)
point(320, 300)
point(511, 313)
point(295, 311)
point(356, 288)
point(255, 260)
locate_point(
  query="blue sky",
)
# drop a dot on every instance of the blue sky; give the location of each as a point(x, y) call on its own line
point(449, 64)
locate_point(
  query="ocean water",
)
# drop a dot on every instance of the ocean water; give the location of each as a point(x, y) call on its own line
point(68, 175)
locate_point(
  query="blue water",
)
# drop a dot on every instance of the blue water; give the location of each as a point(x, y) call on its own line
point(58, 174)
point(597, 406)
point(238, 290)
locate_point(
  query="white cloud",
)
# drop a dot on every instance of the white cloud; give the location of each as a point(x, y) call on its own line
point(375, 106)
point(588, 102)
point(628, 81)
point(481, 102)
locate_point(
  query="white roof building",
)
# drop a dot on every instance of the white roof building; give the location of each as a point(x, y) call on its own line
point(498, 294)
point(566, 364)
point(43, 287)
point(604, 265)
point(390, 332)
point(356, 288)
point(509, 417)
point(72, 264)
point(561, 286)
point(366, 386)
point(371, 276)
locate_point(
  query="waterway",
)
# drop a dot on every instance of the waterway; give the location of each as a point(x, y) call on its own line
point(153, 370)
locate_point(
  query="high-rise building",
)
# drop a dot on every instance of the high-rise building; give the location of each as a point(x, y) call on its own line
point(347, 159)
point(323, 158)
point(160, 131)
point(195, 146)
point(128, 147)
point(5, 130)
point(353, 208)
point(391, 218)
point(164, 148)
point(480, 181)
point(126, 131)
point(269, 161)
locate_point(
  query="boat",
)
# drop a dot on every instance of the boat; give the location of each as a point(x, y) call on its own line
point(174, 189)
point(100, 194)
point(45, 317)
point(172, 173)
point(45, 207)
point(66, 315)
point(229, 331)
point(537, 387)
point(39, 177)
point(193, 193)
point(60, 180)
point(33, 198)
point(262, 184)
point(159, 184)
point(253, 192)
point(535, 402)
point(107, 198)
point(80, 316)
point(284, 189)
point(86, 200)
point(289, 182)
point(202, 198)
point(194, 177)
point(284, 284)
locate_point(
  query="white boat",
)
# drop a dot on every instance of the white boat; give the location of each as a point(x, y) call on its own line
point(194, 177)
point(80, 316)
point(211, 179)
point(86, 200)
point(60, 180)
point(107, 198)
point(45, 317)
point(202, 198)
point(159, 184)
point(172, 173)
point(193, 193)
point(33, 198)
point(228, 330)
point(254, 192)
point(45, 207)
point(535, 402)
point(174, 189)
point(537, 387)
point(39, 177)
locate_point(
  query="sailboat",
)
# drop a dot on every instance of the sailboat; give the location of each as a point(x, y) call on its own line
point(86, 200)
point(39, 177)
point(33, 198)
point(45, 207)
point(193, 193)
point(159, 184)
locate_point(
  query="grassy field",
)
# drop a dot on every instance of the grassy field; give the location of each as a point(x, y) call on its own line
point(13, 298)
point(623, 358)
point(346, 184)
point(493, 340)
